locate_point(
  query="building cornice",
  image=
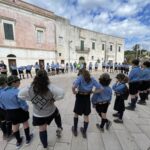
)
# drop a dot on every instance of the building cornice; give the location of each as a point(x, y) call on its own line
point(11, 47)
point(29, 7)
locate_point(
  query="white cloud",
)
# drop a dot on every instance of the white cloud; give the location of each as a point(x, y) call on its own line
point(106, 19)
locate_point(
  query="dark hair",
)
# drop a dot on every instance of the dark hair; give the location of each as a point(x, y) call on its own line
point(135, 62)
point(105, 79)
point(12, 79)
point(41, 82)
point(86, 75)
point(147, 64)
point(121, 77)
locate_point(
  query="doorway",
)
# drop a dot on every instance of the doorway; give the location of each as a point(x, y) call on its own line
point(10, 62)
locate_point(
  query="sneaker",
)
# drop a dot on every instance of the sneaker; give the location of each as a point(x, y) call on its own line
point(130, 108)
point(83, 132)
point(98, 126)
point(75, 133)
point(118, 120)
point(59, 132)
point(29, 141)
point(19, 144)
point(108, 125)
point(141, 102)
point(116, 114)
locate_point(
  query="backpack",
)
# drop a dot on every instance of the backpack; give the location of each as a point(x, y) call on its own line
point(126, 93)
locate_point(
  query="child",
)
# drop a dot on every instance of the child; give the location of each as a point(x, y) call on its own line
point(102, 100)
point(120, 89)
point(144, 83)
point(42, 94)
point(16, 110)
point(134, 78)
point(82, 88)
point(6, 126)
point(28, 71)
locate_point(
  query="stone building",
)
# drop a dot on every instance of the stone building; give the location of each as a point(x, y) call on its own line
point(75, 43)
point(30, 34)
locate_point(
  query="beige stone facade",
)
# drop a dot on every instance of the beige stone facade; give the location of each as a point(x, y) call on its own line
point(30, 34)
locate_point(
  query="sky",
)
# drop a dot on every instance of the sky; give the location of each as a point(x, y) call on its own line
point(124, 18)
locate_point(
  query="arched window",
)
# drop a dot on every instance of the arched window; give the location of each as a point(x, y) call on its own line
point(11, 55)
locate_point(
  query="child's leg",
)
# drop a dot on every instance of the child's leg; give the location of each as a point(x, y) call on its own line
point(58, 120)
point(85, 126)
point(3, 127)
point(43, 135)
point(17, 133)
point(75, 120)
point(86, 122)
point(27, 130)
point(9, 128)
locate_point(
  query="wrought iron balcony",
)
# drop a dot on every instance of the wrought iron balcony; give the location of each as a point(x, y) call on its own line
point(85, 50)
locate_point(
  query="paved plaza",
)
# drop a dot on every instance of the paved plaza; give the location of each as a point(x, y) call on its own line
point(134, 134)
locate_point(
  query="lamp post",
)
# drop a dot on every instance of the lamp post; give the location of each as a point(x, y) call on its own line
point(69, 42)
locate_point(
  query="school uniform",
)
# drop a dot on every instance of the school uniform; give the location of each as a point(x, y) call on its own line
point(16, 109)
point(119, 105)
point(48, 68)
point(37, 67)
point(53, 66)
point(102, 100)
point(103, 65)
point(20, 70)
point(116, 67)
point(44, 109)
point(144, 85)
point(134, 77)
point(14, 70)
point(126, 69)
point(3, 69)
point(2, 110)
point(96, 66)
point(82, 103)
point(57, 68)
point(90, 66)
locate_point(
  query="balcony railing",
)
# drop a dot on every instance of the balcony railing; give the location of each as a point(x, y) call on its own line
point(85, 50)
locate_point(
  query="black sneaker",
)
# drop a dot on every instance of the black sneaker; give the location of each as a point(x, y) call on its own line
point(83, 132)
point(141, 102)
point(29, 141)
point(108, 124)
point(116, 115)
point(130, 108)
point(118, 121)
point(19, 144)
point(75, 133)
point(98, 126)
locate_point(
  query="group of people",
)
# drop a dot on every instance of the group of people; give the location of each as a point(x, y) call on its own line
point(116, 67)
point(42, 94)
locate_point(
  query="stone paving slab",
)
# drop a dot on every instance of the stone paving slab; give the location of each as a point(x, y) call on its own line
point(134, 134)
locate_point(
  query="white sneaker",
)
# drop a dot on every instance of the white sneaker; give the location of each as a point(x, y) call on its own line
point(59, 132)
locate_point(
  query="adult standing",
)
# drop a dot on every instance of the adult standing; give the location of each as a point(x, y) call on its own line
point(3, 68)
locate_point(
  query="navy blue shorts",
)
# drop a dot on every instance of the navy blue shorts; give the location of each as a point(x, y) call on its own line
point(133, 88)
point(82, 105)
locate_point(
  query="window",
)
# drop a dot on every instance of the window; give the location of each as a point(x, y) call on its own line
point(119, 48)
point(103, 46)
point(82, 45)
point(8, 30)
point(59, 54)
point(40, 36)
point(111, 47)
point(60, 40)
point(93, 45)
point(92, 57)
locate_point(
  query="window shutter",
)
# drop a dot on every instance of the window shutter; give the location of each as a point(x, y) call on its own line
point(8, 29)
